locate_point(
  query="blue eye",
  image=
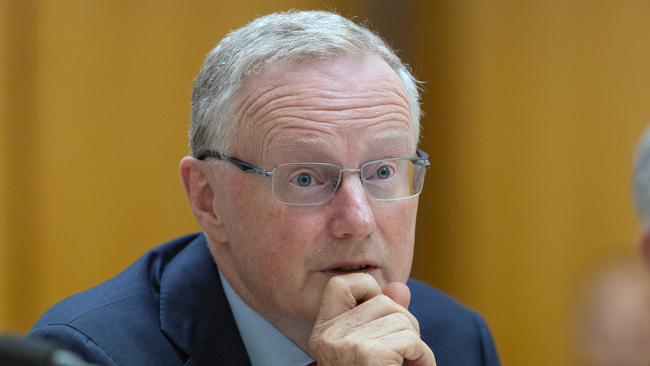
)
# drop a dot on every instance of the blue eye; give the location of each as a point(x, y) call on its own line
point(303, 180)
point(384, 172)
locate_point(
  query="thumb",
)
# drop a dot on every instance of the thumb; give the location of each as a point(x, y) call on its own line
point(399, 293)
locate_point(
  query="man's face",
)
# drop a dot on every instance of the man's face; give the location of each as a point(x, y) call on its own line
point(345, 111)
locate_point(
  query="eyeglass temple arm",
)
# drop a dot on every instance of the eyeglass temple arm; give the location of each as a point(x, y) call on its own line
point(243, 165)
point(425, 156)
point(250, 168)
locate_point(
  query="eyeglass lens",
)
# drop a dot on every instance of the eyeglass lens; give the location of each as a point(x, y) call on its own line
point(314, 183)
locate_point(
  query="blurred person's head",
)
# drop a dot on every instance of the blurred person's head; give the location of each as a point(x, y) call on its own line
point(614, 317)
point(642, 192)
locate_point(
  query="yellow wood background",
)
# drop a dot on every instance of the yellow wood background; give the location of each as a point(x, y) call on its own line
point(533, 110)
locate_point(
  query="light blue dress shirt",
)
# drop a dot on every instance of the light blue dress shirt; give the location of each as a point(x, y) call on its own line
point(265, 344)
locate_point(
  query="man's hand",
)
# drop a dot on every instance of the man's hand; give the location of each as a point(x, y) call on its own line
point(357, 324)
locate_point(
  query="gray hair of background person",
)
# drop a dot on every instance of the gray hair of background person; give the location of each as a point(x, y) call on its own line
point(642, 178)
point(294, 36)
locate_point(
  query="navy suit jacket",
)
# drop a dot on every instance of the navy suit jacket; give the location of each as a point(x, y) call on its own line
point(169, 308)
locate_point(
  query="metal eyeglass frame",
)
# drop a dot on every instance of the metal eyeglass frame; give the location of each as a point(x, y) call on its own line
point(247, 167)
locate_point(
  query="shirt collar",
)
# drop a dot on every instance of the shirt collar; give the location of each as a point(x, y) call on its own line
point(265, 344)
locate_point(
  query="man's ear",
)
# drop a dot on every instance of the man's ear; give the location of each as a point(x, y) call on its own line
point(200, 193)
point(645, 247)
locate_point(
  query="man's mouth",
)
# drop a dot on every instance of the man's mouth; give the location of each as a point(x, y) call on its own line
point(363, 268)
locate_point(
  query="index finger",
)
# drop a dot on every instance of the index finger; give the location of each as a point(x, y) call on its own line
point(344, 292)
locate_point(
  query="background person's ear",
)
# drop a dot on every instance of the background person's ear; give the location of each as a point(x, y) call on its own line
point(195, 176)
point(645, 247)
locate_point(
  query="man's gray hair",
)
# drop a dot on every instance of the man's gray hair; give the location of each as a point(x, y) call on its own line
point(642, 178)
point(280, 37)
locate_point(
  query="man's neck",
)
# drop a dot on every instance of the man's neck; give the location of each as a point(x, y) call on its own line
point(265, 343)
point(297, 331)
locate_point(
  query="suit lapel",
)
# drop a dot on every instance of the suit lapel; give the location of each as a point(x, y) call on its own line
point(194, 312)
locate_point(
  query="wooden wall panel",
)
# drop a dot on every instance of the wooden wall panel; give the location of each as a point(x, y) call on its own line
point(4, 174)
point(533, 114)
point(20, 170)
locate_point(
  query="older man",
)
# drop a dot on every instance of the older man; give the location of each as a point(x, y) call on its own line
point(304, 177)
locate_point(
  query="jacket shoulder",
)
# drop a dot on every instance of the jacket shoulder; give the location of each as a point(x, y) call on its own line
point(119, 314)
point(456, 334)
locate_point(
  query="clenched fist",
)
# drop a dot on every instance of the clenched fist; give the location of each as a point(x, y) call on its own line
point(359, 324)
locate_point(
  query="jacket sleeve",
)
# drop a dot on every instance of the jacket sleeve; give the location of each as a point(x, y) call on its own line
point(72, 339)
point(488, 349)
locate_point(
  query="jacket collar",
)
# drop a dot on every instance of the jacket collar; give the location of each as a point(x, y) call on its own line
point(194, 312)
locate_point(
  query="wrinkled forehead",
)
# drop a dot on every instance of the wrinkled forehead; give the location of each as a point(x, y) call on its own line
point(309, 102)
point(345, 72)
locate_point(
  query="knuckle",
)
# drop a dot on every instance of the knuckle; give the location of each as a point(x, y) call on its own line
point(411, 336)
point(366, 277)
point(357, 346)
point(323, 347)
point(401, 319)
point(315, 342)
point(383, 300)
point(322, 338)
point(364, 352)
point(349, 343)
point(337, 283)
point(388, 303)
point(414, 337)
point(415, 322)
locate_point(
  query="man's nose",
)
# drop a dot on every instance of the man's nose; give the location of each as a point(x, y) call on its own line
point(352, 213)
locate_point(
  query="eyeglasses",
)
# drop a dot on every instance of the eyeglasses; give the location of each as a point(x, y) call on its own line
point(315, 183)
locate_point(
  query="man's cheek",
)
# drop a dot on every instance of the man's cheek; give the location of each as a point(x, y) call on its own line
point(298, 231)
point(400, 224)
